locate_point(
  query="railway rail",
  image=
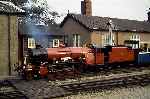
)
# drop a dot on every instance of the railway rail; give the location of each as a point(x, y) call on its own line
point(8, 91)
point(60, 88)
point(121, 80)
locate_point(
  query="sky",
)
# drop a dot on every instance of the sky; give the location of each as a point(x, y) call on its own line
point(124, 9)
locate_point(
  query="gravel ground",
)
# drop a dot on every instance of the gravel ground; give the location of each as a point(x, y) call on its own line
point(41, 89)
point(136, 92)
point(87, 78)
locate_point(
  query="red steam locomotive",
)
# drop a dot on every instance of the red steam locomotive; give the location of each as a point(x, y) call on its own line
point(73, 60)
point(91, 56)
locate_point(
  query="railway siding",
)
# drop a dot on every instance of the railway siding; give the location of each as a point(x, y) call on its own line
point(100, 78)
point(136, 78)
point(35, 89)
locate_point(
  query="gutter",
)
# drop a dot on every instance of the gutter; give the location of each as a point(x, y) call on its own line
point(9, 61)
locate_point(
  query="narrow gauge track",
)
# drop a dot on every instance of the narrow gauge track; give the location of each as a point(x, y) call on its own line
point(8, 91)
point(137, 79)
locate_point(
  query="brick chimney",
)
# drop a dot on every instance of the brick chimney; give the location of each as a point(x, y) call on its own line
point(148, 15)
point(86, 7)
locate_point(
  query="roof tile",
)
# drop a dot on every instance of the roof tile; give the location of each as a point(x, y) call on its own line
point(100, 23)
point(10, 8)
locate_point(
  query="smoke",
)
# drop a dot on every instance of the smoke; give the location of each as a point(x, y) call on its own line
point(38, 21)
point(34, 24)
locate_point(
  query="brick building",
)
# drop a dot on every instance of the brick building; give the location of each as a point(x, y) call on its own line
point(84, 28)
point(45, 36)
point(9, 55)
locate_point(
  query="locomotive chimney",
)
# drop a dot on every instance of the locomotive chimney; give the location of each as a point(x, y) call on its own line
point(148, 15)
point(86, 7)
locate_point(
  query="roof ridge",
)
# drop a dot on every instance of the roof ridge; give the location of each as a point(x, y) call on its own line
point(109, 17)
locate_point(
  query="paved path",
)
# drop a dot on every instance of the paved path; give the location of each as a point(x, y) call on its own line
point(8, 91)
point(38, 89)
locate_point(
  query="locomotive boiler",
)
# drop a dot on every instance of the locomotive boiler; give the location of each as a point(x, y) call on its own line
point(66, 55)
point(83, 55)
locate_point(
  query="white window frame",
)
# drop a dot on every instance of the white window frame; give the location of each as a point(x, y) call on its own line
point(76, 40)
point(103, 40)
point(31, 43)
point(135, 37)
point(106, 39)
point(56, 42)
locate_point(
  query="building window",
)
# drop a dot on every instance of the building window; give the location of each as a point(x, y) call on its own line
point(135, 37)
point(56, 43)
point(106, 39)
point(76, 40)
point(31, 43)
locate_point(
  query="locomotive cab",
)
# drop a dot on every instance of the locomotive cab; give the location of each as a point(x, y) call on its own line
point(119, 55)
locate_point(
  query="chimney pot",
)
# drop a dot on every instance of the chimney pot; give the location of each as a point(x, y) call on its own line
point(86, 7)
